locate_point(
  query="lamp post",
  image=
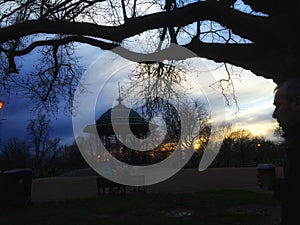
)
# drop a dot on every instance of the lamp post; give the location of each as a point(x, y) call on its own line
point(1, 106)
point(260, 156)
point(258, 145)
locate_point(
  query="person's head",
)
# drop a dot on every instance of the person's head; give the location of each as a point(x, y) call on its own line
point(287, 105)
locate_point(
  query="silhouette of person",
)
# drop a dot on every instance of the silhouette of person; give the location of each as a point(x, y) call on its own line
point(287, 113)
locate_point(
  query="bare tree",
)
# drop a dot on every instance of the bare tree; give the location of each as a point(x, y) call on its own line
point(39, 130)
point(162, 89)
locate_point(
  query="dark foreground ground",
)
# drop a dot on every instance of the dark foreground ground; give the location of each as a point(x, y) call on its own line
point(223, 196)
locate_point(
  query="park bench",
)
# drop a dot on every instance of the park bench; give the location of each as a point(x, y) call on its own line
point(104, 184)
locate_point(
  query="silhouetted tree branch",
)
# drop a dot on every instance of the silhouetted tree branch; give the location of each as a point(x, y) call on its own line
point(252, 34)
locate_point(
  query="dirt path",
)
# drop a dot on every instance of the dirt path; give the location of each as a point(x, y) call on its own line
point(186, 180)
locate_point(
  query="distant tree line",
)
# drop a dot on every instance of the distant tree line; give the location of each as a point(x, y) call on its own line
point(47, 157)
point(40, 152)
point(240, 148)
point(19, 154)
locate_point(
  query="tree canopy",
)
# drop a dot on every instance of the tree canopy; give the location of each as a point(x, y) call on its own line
point(256, 35)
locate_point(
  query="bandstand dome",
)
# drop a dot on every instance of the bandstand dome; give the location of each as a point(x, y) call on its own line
point(137, 123)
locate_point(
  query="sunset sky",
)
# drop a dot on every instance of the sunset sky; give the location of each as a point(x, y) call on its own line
point(254, 97)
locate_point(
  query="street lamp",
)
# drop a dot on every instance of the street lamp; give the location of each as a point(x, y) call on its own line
point(1, 106)
point(258, 145)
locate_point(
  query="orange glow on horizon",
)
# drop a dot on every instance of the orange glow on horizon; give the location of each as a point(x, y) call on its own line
point(1, 104)
point(199, 143)
point(169, 146)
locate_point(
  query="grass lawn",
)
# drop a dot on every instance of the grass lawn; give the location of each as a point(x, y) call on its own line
point(204, 208)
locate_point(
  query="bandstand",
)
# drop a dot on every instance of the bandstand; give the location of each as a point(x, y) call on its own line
point(111, 141)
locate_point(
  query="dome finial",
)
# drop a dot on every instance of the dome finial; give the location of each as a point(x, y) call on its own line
point(120, 99)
